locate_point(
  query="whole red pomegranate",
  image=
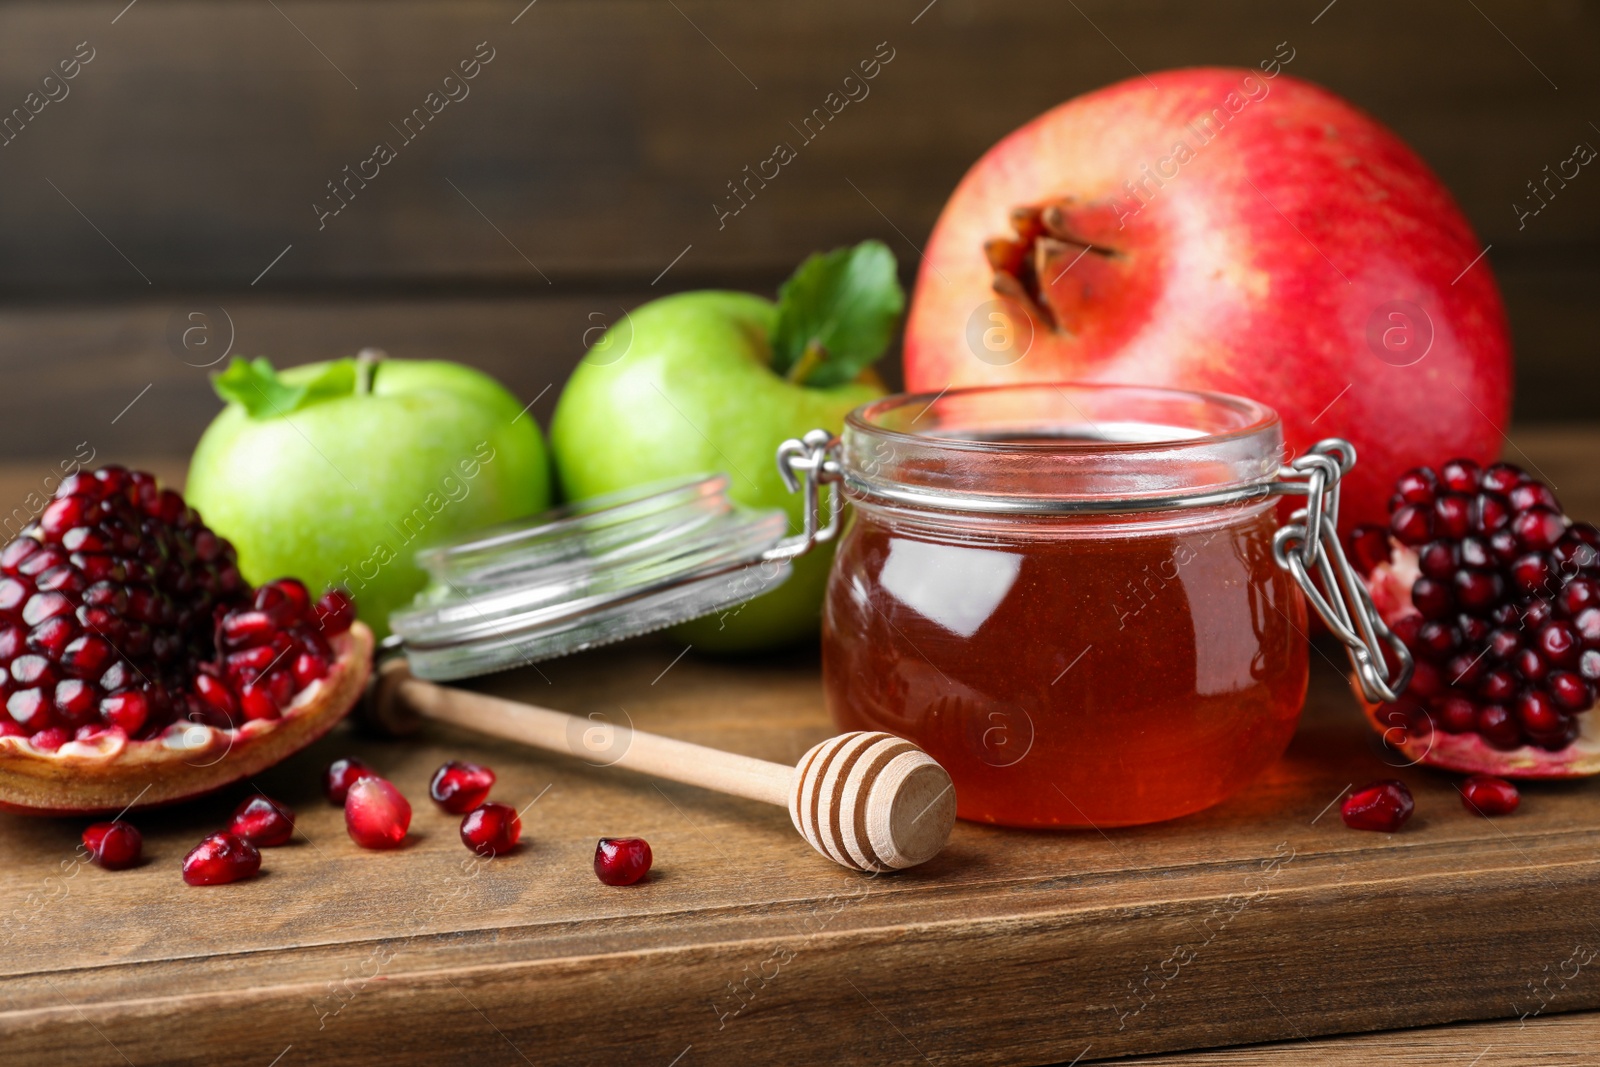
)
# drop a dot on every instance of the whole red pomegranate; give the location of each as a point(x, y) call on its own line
point(1220, 229)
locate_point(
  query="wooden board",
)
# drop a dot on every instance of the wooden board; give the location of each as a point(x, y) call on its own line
point(746, 947)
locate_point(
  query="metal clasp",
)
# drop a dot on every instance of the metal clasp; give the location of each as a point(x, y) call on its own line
point(811, 461)
point(1309, 545)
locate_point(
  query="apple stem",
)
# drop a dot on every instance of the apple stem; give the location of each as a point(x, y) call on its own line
point(809, 360)
point(367, 361)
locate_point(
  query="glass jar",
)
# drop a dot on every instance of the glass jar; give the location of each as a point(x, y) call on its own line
point(1068, 596)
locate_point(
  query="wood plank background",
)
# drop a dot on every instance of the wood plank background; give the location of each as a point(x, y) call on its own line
point(179, 171)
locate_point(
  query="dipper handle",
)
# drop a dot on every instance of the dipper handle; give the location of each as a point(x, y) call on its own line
point(869, 801)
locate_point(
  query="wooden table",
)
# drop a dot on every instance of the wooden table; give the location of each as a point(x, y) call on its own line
point(1262, 920)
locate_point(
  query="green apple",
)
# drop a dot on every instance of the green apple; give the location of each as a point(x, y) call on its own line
point(336, 473)
point(715, 381)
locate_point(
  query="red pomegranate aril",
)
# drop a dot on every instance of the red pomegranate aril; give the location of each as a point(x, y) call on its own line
point(1473, 629)
point(62, 514)
point(1587, 623)
point(242, 628)
point(257, 703)
point(113, 845)
point(16, 552)
point(1536, 614)
point(220, 859)
point(309, 667)
point(1498, 727)
point(1426, 681)
point(491, 829)
point(42, 606)
point(87, 656)
point(1412, 524)
point(1503, 543)
point(1538, 713)
point(1452, 516)
point(1432, 598)
point(76, 701)
point(63, 579)
point(1369, 547)
point(1531, 573)
point(1461, 476)
point(1437, 639)
point(280, 684)
point(1416, 486)
point(622, 860)
point(1558, 643)
point(127, 711)
point(1538, 529)
point(1456, 714)
point(1474, 552)
point(1476, 590)
point(1382, 806)
point(1578, 595)
point(340, 776)
point(1501, 478)
point(251, 659)
point(263, 822)
point(376, 814)
point(1569, 691)
point(1464, 670)
point(1438, 559)
point(1484, 794)
point(1489, 513)
point(458, 787)
point(50, 739)
point(336, 611)
point(41, 561)
point(1530, 665)
point(1498, 685)
point(217, 694)
point(51, 637)
point(1532, 495)
point(30, 709)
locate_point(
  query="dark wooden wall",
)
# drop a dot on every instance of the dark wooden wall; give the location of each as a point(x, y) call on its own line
point(187, 155)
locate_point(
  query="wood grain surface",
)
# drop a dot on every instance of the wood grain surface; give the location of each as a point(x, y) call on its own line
point(1262, 920)
point(178, 172)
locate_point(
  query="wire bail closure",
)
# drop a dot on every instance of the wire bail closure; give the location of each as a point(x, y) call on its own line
point(810, 462)
point(1307, 547)
point(1309, 544)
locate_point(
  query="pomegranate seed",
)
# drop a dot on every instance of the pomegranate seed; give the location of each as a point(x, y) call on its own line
point(1558, 643)
point(76, 701)
point(1501, 478)
point(1498, 727)
point(1460, 476)
point(336, 611)
point(1452, 516)
point(1438, 639)
point(1498, 685)
point(309, 667)
point(341, 775)
point(1531, 665)
point(87, 657)
point(1412, 525)
point(1456, 713)
point(1383, 806)
point(459, 787)
point(1432, 598)
point(1531, 573)
point(1577, 595)
point(30, 709)
point(1369, 546)
point(1532, 495)
point(1476, 590)
point(257, 703)
point(1538, 529)
point(219, 859)
point(113, 845)
point(1438, 559)
point(375, 813)
point(1489, 512)
point(1416, 486)
point(1475, 552)
point(1569, 691)
point(1485, 794)
point(622, 860)
point(492, 829)
point(128, 711)
point(263, 822)
point(1538, 713)
point(49, 739)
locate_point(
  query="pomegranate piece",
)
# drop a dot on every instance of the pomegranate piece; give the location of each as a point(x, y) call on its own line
point(459, 787)
point(491, 830)
point(263, 822)
point(622, 860)
point(220, 859)
point(340, 776)
point(1382, 806)
point(113, 845)
point(376, 814)
point(1485, 794)
point(113, 606)
point(1499, 615)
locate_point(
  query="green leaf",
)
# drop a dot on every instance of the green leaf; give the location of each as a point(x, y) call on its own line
point(259, 389)
point(837, 314)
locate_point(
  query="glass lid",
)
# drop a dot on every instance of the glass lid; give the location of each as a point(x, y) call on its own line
point(587, 574)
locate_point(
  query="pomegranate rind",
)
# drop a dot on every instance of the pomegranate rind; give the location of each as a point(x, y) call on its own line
point(1470, 754)
point(111, 774)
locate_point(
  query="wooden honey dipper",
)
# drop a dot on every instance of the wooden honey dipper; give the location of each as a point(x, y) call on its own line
point(870, 801)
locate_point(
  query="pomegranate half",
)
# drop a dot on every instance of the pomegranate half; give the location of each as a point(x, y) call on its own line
point(1225, 230)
